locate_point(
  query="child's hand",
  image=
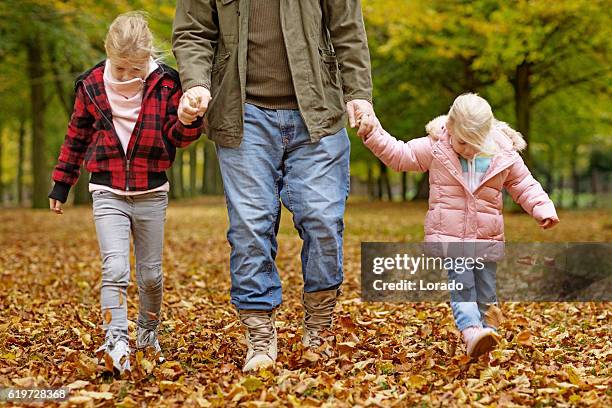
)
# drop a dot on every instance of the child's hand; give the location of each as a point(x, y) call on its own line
point(55, 206)
point(549, 223)
point(194, 103)
point(187, 110)
point(367, 124)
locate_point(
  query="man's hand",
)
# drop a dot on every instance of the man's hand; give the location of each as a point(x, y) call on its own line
point(194, 103)
point(361, 113)
point(549, 223)
point(55, 206)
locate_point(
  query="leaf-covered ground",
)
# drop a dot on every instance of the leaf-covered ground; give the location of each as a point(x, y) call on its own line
point(552, 354)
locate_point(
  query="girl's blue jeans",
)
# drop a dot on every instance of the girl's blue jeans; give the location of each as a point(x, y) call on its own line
point(470, 304)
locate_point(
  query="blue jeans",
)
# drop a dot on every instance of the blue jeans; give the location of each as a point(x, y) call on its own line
point(470, 304)
point(277, 161)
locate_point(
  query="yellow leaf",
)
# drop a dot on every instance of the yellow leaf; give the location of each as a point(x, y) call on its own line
point(573, 374)
point(78, 385)
point(168, 385)
point(97, 395)
point(252, 383)
point(489, 373)
point(417, 381)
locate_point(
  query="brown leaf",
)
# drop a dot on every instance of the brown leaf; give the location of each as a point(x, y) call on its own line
point(108, 362)
point(524, 338)
point(311, 356)
point(108, 316)
point(494, 316)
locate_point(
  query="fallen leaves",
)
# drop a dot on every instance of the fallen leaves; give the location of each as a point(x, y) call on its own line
point(550, 354)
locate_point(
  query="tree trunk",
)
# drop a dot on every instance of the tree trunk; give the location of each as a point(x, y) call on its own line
point(193, 170)
point(423, 188)
point(1, 165)
point(561, 191)
point(171, 178)
point(371, 192)
point(204, 161)
point(550, 171)
point(575, 180)
point(212, 173)
point(179, 186)
point(522, 104)
point(21, 160)
point(384, 175)
point(81, 189)
point(38, 104)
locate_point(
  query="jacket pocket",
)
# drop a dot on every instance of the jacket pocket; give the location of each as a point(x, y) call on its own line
point(330, 67)
point(228, 17)
point(220, 62)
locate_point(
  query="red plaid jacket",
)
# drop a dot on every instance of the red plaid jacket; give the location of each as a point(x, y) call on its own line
point(91, 136)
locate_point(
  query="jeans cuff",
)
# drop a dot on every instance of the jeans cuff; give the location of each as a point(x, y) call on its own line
point(469, 324)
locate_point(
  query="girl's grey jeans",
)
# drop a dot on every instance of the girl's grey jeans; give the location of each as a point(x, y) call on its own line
point(117, 218)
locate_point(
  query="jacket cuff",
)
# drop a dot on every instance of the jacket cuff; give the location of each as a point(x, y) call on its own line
point(195, 124)
point(544, 211)
point(352, 97)
point(60, 191)
point(188, 84)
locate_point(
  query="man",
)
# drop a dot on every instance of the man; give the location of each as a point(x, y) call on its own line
point(276, 79)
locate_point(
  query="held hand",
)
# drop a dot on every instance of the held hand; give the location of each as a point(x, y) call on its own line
point(55, 206)
point(366, 125)
point(201, 97)
point(549, 223)
point(361, 113)
point(187, 110)
point(193, 103)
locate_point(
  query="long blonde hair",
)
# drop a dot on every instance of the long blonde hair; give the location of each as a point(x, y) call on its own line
point(471, 119)
point(129, 38)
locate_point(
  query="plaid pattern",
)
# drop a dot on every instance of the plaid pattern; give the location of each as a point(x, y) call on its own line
point(91, 136)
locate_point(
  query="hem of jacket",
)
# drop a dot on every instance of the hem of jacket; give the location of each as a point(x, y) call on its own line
point(155, 179)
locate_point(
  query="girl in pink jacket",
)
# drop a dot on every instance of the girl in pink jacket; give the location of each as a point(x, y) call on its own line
point(470, 157)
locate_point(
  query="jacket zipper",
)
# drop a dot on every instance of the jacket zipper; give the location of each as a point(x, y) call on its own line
point(114, 132)
point(127, 170)
point(145, 94)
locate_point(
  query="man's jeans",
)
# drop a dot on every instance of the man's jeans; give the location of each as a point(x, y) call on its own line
point(471, 304)
point(116, 218)
point(277, 161)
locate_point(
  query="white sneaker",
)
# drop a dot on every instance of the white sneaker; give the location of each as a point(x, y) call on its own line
point(261, 338)
point(479, 341)
point(148, 338)
point(119, 352)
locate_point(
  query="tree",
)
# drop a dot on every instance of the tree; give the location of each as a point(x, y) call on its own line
point(533, 48)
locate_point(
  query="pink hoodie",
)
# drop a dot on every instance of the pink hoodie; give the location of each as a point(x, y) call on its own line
point(455, 213)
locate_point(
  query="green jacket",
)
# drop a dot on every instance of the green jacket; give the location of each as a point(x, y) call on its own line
point(326, 47)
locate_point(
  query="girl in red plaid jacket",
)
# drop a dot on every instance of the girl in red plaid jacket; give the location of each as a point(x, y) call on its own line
point(129, 117)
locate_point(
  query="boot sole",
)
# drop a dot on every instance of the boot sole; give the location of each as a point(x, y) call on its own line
point(484, 345)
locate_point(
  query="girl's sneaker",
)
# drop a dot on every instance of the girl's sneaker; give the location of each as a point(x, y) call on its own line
point(479, 341)
point(148, 338)
point(119, 351)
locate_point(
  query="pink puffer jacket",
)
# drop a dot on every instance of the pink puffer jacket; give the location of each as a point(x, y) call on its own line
point(455, 213)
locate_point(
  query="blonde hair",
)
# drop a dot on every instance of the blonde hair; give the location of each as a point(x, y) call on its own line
point(129, 38)
point(471, 119)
